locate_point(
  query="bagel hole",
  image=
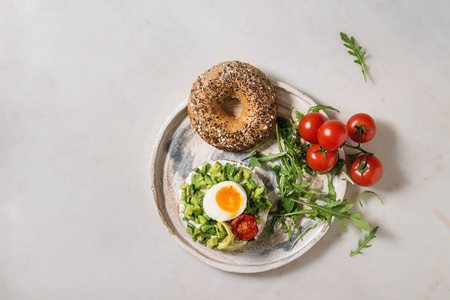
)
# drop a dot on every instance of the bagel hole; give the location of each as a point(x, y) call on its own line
point(232, 106)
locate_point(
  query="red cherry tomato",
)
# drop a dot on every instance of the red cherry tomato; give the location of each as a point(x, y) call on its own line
point(361, 123)
point(309, 125)
point(244, 227)
point(332, 134)
point(321, 160)
point(366, 171)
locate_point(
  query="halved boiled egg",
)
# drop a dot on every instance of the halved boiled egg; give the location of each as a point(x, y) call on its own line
point(225, 201)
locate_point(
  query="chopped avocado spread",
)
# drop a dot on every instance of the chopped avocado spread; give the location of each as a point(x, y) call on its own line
point(201, 227)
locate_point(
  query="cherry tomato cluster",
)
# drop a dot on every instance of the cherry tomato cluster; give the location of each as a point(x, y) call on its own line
point(328, 136)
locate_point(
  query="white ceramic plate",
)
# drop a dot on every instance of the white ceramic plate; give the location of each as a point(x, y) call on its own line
point(179, 149)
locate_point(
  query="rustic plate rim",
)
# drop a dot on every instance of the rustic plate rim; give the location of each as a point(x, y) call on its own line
point(201, 256)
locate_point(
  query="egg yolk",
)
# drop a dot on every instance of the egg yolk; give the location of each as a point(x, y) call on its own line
point(229, 199)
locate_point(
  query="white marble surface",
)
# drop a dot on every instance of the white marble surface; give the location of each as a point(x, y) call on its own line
point(86, 85)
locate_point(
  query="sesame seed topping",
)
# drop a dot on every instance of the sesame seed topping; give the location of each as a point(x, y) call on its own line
point(236, 80)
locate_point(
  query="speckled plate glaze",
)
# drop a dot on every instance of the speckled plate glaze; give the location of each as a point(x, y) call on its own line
point(179, 149)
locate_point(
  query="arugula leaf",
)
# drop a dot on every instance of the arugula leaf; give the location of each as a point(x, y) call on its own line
point(335, 209)
point(287, 204)
point(331, 191)
point(359, 222)
point(355, 51)
point(271, 136)
point(258, 158)
point(364, 244)
point(316, 108)
point(368, 192)
point(272, 223)
point(299, 116)
point(346, 176)
point(270, 156)
point(254, 162)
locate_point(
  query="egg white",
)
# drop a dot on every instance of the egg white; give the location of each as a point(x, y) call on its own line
point(213, 210)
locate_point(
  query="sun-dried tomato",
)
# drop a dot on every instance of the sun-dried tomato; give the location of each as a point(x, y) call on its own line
point(244, 227)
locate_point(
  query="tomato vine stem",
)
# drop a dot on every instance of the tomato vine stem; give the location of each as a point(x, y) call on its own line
point(361, 150)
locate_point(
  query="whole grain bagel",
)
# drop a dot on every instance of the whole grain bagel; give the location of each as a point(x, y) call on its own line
point(237, 80)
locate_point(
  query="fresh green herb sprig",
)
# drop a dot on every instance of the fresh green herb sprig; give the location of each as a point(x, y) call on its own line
point(296, 198)
point(364, 244)
point(355, 51)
